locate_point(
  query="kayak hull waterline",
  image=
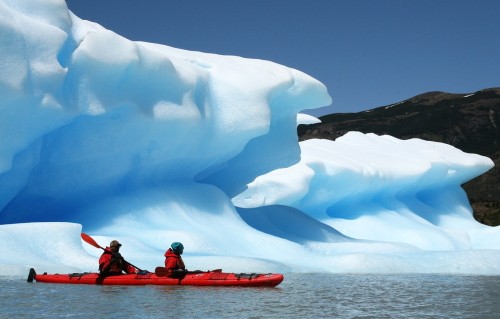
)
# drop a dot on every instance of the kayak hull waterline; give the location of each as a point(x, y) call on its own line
point(208, 278)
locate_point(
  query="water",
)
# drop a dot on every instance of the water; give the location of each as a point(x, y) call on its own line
point(299, 296)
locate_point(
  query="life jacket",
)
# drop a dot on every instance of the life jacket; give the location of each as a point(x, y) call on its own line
point(173, 261)
point(109, 266)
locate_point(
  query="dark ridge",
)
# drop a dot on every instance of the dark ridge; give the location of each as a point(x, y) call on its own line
point(468, 121)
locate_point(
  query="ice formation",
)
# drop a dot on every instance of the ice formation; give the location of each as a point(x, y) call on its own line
point(150, 144)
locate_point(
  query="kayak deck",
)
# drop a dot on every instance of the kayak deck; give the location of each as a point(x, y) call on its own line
point(208, 278)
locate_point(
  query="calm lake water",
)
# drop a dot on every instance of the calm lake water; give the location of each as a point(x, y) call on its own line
point(299, 296)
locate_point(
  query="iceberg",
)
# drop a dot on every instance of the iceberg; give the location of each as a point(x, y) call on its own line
point(151, 144)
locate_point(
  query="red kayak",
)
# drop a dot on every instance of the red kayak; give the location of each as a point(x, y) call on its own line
point(196, 278)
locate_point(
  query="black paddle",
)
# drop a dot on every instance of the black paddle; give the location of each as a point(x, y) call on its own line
point(163, 272)
point(91, 241)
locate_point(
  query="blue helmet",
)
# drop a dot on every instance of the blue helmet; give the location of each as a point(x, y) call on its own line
point(177, 247)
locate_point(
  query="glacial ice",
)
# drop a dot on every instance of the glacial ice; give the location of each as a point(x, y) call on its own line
point(151, 144)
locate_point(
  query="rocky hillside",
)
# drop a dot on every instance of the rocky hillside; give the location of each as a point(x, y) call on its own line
point(469, 122)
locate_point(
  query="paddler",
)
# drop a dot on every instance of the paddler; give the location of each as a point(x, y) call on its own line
point(112, 263)
point(173, 261)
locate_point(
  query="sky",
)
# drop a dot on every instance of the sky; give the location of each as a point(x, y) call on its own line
point(368, 53)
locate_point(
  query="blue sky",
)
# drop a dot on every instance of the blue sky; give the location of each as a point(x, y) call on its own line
point(368, 53)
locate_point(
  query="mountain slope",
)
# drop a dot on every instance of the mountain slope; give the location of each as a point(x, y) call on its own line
point(469, 122)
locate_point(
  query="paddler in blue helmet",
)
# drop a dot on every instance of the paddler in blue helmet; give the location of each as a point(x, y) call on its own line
point(173, 261)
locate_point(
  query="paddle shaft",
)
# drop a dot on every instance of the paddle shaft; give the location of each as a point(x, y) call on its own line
point(89, 240)
point(164, 272)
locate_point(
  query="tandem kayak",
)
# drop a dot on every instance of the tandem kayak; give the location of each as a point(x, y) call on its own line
point(196, 278)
